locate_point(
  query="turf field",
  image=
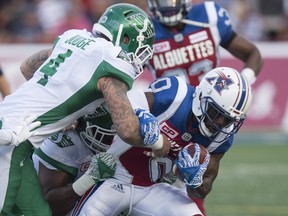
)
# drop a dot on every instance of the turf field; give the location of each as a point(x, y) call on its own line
point(253, 180)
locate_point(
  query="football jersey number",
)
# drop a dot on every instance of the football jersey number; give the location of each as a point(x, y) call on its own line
point(195, 69)
point(224, 14)
point(50, 68)
point(158, 167)
point(161, 84)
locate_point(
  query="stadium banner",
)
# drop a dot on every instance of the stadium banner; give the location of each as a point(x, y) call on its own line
point(269, 108)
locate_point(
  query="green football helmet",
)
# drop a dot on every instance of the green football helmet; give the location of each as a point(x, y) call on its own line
point(96, 130)
point(129, 27)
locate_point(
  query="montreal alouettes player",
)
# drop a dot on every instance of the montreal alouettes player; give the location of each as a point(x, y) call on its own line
point(209, 115)
point(188, 38)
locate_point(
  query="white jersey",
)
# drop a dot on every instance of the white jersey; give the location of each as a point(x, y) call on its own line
point(64, 151)
point(64, 87)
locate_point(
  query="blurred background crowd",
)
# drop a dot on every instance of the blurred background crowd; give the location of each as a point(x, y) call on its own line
point(39, 21)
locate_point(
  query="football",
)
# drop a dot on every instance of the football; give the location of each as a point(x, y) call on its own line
point(203, 152)
point(191, 149)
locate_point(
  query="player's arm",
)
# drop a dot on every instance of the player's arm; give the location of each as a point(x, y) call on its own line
point(208, 178)
point(128, 125)
point(32, 63)
point(62, 196)
point(57, 192)
point(248, 53)
point(4, 85)
point(122, 114)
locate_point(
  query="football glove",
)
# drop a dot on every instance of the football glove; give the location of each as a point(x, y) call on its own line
point(190, 168)
point(149, 127)
point(102, 166)
point(20, 133)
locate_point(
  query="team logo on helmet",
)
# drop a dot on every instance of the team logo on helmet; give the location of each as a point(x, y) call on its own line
point(137, 20)
point(103, 19)
point(220, 82)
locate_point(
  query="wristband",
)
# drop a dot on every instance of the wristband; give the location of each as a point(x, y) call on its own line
point(83, 184)
point(249, 75)
point(158, 144)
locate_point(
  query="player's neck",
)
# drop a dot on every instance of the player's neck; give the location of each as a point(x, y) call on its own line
point(177, 28)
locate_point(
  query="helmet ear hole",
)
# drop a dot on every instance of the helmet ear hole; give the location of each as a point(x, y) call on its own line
point(126, 39)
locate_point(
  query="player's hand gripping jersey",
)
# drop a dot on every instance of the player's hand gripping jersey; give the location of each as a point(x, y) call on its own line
point(64, 88)
point(171, 113)
point(192, 52)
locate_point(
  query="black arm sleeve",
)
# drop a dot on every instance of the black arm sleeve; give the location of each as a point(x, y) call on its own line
point(227, 43)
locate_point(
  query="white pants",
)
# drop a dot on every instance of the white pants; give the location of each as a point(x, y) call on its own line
point(113, 197)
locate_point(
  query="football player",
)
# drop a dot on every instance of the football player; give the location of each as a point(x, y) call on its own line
point(81, 71)
point(188, 40)
point(64, 157)
point(209, 115)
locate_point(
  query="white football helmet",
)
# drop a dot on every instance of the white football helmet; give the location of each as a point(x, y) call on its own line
point(97, 130)
point(222, 94)
point(169, 12)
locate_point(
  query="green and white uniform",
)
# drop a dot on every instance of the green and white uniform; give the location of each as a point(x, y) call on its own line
point(66, 152)
point(63, 89)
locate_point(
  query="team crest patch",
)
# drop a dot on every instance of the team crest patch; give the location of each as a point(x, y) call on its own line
point(123, 55)
point(103, 19)
point(61, 139)
point(220, 82)
point(186, 137)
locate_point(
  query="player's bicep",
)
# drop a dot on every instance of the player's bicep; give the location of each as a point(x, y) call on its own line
point(241, 47)
point(114, 92)
point(32, 63)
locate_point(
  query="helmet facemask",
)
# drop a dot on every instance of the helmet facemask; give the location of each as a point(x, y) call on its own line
point(97, 138)
point(97, 130)
point(169, 12)
point(215, 120)
point(143, 52)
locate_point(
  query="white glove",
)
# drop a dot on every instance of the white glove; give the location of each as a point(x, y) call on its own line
point(249, 75)
point(25, 130)
point(102, 166)
point(20, 133)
